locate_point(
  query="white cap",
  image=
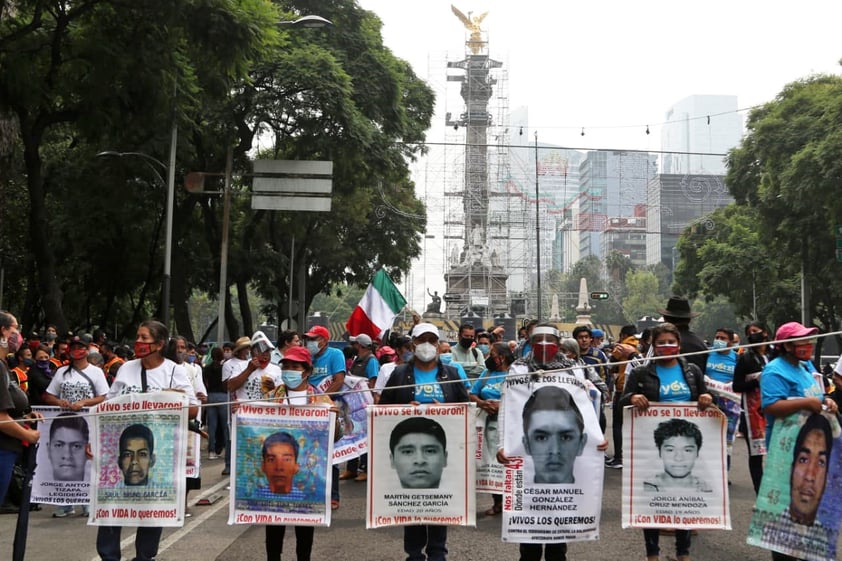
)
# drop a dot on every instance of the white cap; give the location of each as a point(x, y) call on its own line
point(423, 328)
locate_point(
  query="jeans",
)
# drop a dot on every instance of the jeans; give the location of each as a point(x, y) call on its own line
point(359, 464)
point(7, 465)
point(217, 418)
point(275, 542)
point(617, 426)
point(755, 463)
point(145, 544)
point(652, 535)
point(552, 551)
point(416, 537)
point(334, 483)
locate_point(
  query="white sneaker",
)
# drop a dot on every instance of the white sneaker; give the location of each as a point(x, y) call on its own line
point(213, 456)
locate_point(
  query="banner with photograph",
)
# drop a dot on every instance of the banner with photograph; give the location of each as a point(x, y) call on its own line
point(63, 473)
point(421, 465)
point(140, 454)
point(489, 471)
point(553, 485)
point(799, 507)
point(352, 403)
point(676, 471)
point(281, 471)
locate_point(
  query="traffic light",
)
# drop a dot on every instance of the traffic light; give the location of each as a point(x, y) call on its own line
point(599, 296)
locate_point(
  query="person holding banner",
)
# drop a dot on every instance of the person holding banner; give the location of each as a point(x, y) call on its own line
point(296, 368)
point(424, 380)
point(667, 378)
point(788, 386)
point(747, 381)
point(149, 372)
point(719, 377)
point(553, 428)
point(485, 392)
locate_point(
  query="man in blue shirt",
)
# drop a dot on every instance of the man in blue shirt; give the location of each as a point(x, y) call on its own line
point(328, 377)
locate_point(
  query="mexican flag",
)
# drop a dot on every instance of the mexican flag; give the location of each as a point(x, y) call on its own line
point(376, 311)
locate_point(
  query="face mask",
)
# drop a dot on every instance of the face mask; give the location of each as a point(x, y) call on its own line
point(466, 342)
point(78, 353)
point(492, 364)
point(263, 362)
point(142, 350)
point(12, 342)
point(758, 337)
point(719, 344)
point(42, 364)
point(544, 351)
point(667, 350)
point(191, 358)
point(313, 347)
point(292, 378)
point(426, 352)
point(51, 336)
point(484, 349)
point(803, 352)
point(28, 362)
point(227, 354)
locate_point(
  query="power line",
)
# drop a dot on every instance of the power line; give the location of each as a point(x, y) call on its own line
point(576, 148)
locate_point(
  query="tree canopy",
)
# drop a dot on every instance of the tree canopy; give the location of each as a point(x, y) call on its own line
point(82, 238)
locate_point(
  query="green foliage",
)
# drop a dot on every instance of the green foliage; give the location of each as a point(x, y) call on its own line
point(643, 297)
point(785, 180)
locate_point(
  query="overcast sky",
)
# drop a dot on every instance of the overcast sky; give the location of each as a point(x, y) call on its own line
point(614, 67)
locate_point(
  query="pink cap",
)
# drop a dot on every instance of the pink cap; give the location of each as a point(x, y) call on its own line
point(793, 330)
point(299, 354)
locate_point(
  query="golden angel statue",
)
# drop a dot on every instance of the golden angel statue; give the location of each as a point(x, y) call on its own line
point(472, 24)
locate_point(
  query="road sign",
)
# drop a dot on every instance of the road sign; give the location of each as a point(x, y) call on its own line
point(599, 296)
point(839, 255)
point(292, 185)
point(838, 229)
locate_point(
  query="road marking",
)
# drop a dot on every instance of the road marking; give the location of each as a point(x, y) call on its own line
point(188, 526)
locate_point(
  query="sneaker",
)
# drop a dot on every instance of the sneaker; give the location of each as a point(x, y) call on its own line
point(226, 471)
point(86, 511)
point(608, 460)
point(64, 512)
point(213, 456)
point(348, 475)
point(361, 477)
point(616, 463)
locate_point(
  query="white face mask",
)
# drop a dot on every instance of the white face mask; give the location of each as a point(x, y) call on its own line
point(426, 352)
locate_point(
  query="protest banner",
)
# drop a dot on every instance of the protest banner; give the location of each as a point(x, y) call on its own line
point(676, 475)
point(63, 473)
point(352, 403)
point(140, 454)
point(421, 465)
point(489, 470)
point(281, 471)
point(553, 484)
point(799, 506)
point(194, 455)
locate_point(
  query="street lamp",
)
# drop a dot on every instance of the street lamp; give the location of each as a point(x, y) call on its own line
point(310, 22)
point(170, 184)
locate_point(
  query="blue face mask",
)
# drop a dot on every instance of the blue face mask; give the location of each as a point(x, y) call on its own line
point(407, 356)
point(191, 358)
point(483, 348)
point(719, 344)
point(313, 347)
point(292, 378)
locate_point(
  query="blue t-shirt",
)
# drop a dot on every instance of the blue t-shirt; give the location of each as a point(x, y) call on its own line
point(330, 362)
point(427, 388)
point(487, 386)
point(720, 367)
point(673, 385)
point(781, 380)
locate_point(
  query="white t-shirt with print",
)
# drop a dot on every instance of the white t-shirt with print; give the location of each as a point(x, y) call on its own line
point(164, 376)
point(70, 385)
point(251, 390)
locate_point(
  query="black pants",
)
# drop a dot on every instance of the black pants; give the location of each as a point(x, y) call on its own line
point(652, 536)
point(617, 426)
point(275, 542)
point(755, 463)
point(552, 551)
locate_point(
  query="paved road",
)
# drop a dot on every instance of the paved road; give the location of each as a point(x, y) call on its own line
point(208, 537)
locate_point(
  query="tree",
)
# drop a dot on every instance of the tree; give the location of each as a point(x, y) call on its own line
point(784, 178)
point(642, 295)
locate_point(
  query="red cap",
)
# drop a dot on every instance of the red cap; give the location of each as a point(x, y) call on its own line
point(318, 331)
point(298, 354)
point(793, 330)
point(385, 350)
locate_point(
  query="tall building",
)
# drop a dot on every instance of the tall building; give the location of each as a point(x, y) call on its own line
point(613, 185)
point(673, 203)
point(700, 124)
